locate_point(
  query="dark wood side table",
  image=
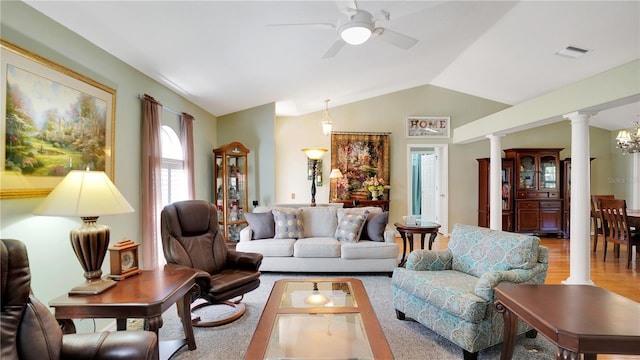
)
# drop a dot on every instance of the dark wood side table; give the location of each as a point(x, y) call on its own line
point(423, 229)
point(146, 295)
point(579, 319)
point(383, 204)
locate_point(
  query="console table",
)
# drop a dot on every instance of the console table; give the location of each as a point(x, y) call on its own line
point(579, 319)
point(146, 295)
point(384, 204)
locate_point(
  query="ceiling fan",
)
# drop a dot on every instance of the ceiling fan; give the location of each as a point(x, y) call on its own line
point(360, 27)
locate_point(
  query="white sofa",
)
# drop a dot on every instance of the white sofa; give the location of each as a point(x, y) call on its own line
point(317, 248)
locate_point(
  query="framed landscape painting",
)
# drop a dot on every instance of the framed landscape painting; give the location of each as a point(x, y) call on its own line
point(55, 120)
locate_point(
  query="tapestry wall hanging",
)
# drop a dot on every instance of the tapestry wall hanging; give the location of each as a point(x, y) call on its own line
point(360, 157)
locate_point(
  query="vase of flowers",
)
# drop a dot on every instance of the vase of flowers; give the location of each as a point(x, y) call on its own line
point(342, 188)
point(375, 186)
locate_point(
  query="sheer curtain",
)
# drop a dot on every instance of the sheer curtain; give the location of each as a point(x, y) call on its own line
point(151, 194)
point(186, 134)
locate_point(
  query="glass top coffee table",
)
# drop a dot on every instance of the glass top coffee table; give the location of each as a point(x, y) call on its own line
point(323, 318)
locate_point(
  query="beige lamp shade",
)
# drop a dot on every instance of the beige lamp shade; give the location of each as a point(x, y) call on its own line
point(314, 153)
point(84, 193)
point(335, 174)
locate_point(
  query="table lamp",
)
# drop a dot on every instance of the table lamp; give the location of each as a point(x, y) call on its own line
point(314, 154)
point(87, 194)
point(335, 174)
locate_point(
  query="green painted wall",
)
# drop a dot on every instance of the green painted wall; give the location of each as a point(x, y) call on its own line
point(254, 128)
point(55, 268)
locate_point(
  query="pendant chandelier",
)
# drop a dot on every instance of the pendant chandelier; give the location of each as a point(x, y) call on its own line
point(629, 140)
point(327, 123)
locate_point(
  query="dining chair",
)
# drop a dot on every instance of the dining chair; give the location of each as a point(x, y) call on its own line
point(595, 217)
point(613, 214)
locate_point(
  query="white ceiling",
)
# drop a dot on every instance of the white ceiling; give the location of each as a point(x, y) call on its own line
point(224, 56)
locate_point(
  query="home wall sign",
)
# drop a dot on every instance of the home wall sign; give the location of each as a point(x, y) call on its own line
point(428, 126)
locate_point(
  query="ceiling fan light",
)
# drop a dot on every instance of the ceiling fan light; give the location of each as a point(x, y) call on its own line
point(355, 33)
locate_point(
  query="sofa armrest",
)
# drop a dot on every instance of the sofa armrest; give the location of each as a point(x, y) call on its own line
point(489, 280)
point(429, 260)
point(389, 235)
point(246, 233)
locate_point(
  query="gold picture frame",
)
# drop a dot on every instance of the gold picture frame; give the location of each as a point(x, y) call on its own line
point(55, 120)
point(360, 156)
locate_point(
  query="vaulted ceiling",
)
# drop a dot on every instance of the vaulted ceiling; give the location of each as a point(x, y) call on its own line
point(227, 56)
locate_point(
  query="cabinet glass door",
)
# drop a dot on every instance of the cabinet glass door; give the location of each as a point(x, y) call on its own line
point(548, 172)
point(507, 175)
point(230, 189)
point(219, 185)
point(527, 171)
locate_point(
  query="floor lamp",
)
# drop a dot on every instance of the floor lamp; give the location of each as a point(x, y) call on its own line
point(87, 194)
point(314, 154)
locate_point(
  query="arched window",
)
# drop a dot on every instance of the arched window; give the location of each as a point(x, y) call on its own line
point(174, 179)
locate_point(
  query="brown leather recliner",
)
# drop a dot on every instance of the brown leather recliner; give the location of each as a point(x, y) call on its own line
point(30, 331)
point(191, 239)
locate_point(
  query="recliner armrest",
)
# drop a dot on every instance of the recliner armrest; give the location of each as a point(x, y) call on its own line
point(244, 260)
point(137, 344)
point(430, 260)
point(174, 267)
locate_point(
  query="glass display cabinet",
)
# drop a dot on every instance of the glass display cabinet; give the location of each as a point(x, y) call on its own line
point(230, 189)
point(538, 197)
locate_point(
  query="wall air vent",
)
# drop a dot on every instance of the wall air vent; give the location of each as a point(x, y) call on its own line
point(572, 52)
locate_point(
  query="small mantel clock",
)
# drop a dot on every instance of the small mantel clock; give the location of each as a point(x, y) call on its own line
point(124, 260)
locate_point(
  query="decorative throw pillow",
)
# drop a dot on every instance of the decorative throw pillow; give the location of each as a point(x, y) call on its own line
point(350, 226)
point(288, 223)
point(374, 227)
point(261, 224)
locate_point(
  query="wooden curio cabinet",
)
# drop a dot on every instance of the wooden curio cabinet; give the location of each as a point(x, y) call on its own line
point(538, 201)
point(507, 193)
point(230, 188)
point(565, 186)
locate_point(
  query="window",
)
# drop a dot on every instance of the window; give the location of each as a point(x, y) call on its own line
point(173, 177)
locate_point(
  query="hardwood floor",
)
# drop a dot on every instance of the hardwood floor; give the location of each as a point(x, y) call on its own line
point(612, 275)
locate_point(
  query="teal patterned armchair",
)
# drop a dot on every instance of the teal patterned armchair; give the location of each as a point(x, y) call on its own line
point(451, 291)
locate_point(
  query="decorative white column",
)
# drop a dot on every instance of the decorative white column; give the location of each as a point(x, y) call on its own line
point(495, 183)
point(634, 200)
point(580, 246)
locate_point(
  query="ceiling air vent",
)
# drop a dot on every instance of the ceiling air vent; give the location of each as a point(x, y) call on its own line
point(572, 52)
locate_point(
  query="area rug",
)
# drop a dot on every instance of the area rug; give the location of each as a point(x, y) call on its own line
point(408, 340)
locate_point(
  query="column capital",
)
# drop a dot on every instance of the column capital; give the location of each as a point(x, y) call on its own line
point(580, 114)
point(494, 136)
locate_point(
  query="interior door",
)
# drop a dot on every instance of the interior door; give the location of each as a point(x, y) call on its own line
point(428, 198)
point(427, 179)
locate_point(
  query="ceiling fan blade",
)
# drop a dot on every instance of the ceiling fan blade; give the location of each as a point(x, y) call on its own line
point(334, 49)
point(394, 38)
point(321, 26)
